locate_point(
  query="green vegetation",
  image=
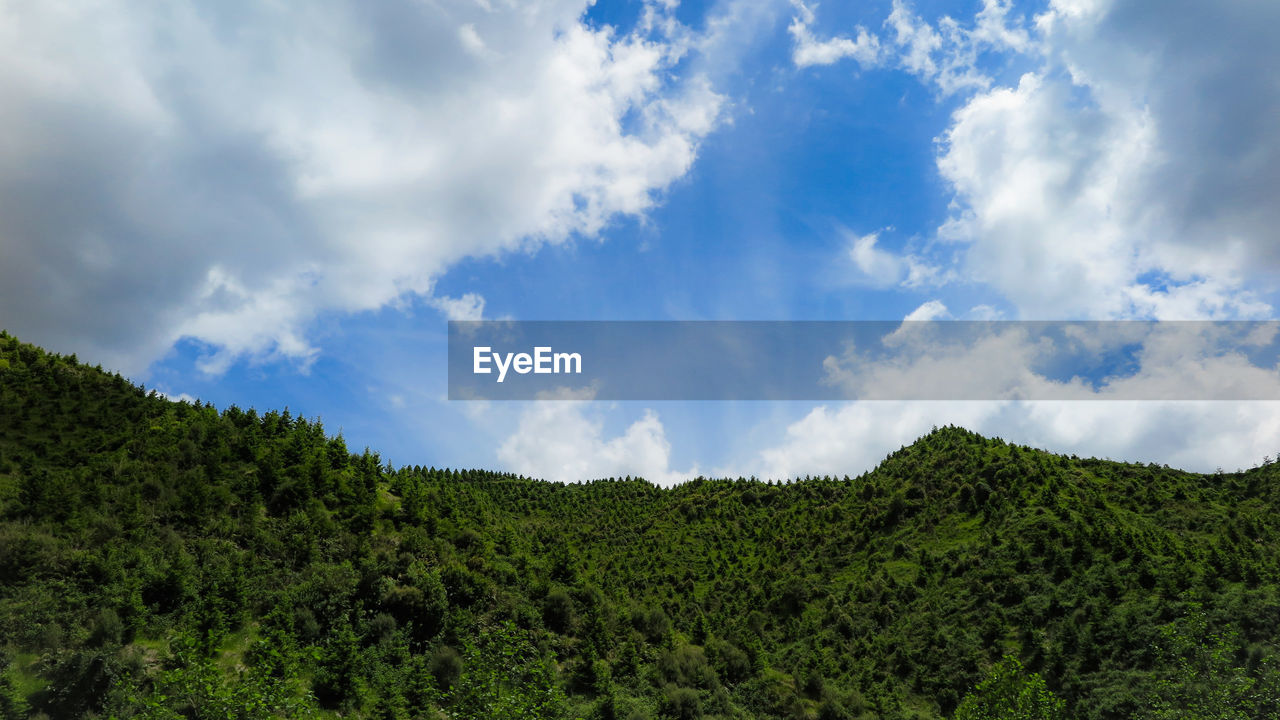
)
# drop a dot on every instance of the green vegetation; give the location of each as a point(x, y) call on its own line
point(161, 559)
point(1009, 693)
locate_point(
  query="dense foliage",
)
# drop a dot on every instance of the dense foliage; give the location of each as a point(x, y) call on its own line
point(163, 559)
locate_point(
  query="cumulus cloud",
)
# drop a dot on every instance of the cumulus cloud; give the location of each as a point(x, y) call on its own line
point(1132, 174)
point(565, 440)
point(227, 172)
point(1061, 217)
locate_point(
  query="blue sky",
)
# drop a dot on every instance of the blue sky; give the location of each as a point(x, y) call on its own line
point(270, 207)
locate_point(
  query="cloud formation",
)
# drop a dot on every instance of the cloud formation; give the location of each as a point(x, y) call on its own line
point(227, 172)
point(1129, 173)
point(565, 441)
point(808, 50)
point(947, 55)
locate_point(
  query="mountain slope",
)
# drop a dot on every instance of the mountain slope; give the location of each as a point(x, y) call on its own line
point(164, 559)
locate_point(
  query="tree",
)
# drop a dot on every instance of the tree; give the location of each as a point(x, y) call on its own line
point(1207, 683)
point(1009, 693)
point(505, 676)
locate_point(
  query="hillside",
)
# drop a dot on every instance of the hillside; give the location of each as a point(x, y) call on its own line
point(161, 559)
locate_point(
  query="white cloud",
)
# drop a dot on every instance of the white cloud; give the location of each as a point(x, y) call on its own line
point(852, 438)
point(1132, 175)
point(878, 266)
point(1045, 202)
point(468, 307)
point(226, 172)
point(178, 397)
point(865, 47)
point(1061, 217)
point(883, 268)
point(948, 55)
point(565, 440)
point(985, 313)
point(932, 310)
point(1198, 436)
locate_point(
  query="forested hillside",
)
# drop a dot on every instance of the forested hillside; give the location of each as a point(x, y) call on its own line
point(162, 559)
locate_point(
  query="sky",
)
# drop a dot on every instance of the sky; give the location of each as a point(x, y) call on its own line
point(275, 205)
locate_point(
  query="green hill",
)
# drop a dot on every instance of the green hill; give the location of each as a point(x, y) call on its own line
point(162, 559)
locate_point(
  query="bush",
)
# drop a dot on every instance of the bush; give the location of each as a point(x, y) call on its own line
point(687, 666)
point(445, 666)
point(557, 611)
point(730, 661)
point(1008, 693)
point(681, 704)
point(108, 629)
point(653, 623)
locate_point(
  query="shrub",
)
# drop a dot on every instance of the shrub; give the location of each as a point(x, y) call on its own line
point(681, 704)
point(445, 666)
